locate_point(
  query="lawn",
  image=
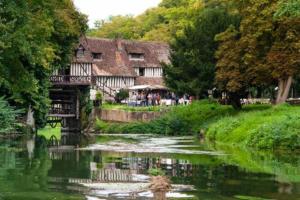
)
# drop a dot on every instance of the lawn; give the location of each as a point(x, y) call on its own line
point(47, 132)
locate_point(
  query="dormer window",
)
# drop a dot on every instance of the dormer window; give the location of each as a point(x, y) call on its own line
point(97, 56)
point(80, 52)
point(136, 56)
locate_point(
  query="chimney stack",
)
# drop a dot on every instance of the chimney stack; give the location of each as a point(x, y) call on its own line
point(119, 44)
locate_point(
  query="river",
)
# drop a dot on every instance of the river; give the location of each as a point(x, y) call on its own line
point(114, 167)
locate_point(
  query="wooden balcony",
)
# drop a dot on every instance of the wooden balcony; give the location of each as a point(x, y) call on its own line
point(62, 110)
point(70, 80)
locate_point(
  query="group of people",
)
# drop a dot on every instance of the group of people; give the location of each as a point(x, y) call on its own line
point(156, 99)
point(146, 99)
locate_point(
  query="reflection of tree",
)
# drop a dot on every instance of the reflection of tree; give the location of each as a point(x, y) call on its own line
point(26, 178)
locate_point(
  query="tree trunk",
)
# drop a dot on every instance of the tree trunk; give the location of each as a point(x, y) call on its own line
point(259, 92)
point(284, 86)
point(235, 101)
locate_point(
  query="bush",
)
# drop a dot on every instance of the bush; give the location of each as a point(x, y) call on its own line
point(180, 120)
point(100, 125)
point(7, 117)
point(121, 95)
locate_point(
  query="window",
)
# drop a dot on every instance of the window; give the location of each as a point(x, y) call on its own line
point(80, 52)
point(141, 71)
point(136, 56)
point(97, 56)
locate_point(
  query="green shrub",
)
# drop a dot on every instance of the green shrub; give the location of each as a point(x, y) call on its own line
point(7, 117)
point(122, 95)
point(100, 125)
point(99, 96)
point(179, 120)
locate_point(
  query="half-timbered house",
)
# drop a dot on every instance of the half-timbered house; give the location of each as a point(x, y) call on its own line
point(120, 63)
point(113, 64)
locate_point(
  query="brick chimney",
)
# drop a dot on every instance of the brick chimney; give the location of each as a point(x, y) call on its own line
point(119, 44)
point(119, 58)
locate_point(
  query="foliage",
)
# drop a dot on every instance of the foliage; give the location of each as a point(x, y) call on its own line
point(288, 8)
point(31, 38)
point(86, 106)
point(180, 120)
point(268, 129)
point(156, 24)
point(262, 51)
point(7, 117)
point(122, 95)
point(192, 65)
point(258, 126)
point(100, 125)
point(99, 96)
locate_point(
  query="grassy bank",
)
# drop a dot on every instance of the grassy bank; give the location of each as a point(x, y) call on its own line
point(277, 127)
point(180, 120)
point(133, 109)
point(258, 126)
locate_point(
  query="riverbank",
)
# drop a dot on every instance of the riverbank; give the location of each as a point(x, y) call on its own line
point(275, 128)
point(258, 126)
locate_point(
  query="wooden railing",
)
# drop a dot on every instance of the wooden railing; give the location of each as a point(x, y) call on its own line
point(72, 80)
point(105, 89)
point(58, 109)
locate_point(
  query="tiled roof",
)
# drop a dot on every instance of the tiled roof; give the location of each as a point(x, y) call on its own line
point(115, 55)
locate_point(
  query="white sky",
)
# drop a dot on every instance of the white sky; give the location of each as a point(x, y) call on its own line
point(102, 9)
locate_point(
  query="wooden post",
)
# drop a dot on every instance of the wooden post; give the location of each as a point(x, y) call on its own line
point(77, 106)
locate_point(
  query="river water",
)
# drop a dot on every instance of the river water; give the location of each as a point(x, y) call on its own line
point(119, 167)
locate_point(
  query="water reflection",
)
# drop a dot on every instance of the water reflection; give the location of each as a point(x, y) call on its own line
point(29, 171)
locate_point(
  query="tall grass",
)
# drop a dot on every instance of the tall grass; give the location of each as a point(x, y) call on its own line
point(275, 128)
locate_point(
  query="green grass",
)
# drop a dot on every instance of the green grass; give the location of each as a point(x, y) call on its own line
point(47, 132)
point(133, 109)
point(258, 126)
point(180, 120)
point(274, 128)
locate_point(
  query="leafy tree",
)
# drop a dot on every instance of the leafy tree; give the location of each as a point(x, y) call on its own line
point(121, 95)
point(35, 38)
point(283, 57)
point(260, 52)
point(156, 24)
point(192, 65)
point(117, 27)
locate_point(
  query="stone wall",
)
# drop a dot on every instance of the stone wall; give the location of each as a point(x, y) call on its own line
point(126, 116)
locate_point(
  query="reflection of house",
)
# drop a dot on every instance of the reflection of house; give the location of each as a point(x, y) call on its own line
point(116, 64)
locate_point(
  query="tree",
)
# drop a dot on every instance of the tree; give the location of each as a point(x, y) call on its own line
point(265, 47)
point(192, 67)
point(229, 72)
point(156, 24)
point(37, 37)
point(283, 57)
point(117, 27)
